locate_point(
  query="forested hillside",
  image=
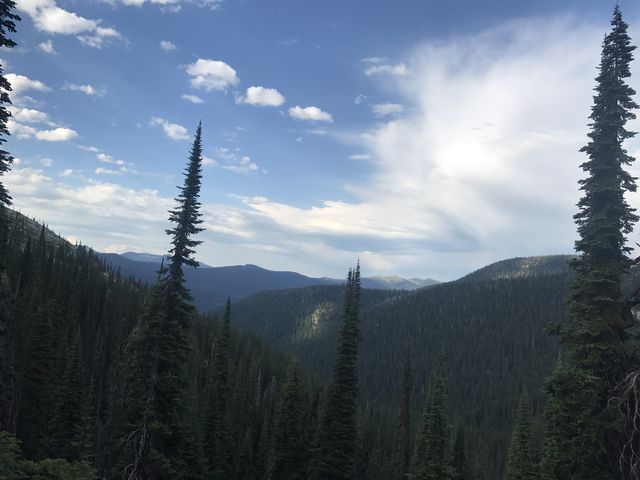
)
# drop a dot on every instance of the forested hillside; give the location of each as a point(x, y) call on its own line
point(65, 329)
point(492, 332)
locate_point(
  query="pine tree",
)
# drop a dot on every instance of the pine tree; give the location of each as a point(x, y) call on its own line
point(290, 450)
point(594, 336)
point(336, 450)
point(459, 460)
point(8, 21)
point(431, 453)
point(218, 438)
point(403, 440)
point(156, 401)
point(520, 458)
point(71, 435)
point(7, 370)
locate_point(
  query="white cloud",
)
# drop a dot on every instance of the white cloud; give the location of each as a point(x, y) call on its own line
point(20, 130)
point(359, 99)
point(28, 115)
point(110, 171)
point(172, 6)
point(91, 148)
point(22, 83)
point(171, 130)
point(86, 89)
point(398, 69)
point(50, 18)
point(384, 109)
point(311, 113)
point(360, 156)
point(268, 97)
point(104, 158)
point(47, 47)
point(47, 162)
point(210, 75)
point(59, 134)
point(192, 98)
point(208, 162)
point(67, 172)
point(167, 46)
point(233, 161)
point(373, 59)
point(99, 37)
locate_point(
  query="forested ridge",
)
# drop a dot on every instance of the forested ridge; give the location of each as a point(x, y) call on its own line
point(522, 370)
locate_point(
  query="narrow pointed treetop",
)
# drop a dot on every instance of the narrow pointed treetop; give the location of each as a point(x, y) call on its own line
point(186, 216)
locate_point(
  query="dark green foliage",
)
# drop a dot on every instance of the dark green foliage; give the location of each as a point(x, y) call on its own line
point(459, 457)
point(521, 461)
point(594, 337)
point(337, 437)
point(8, 21)
point(71, 435)
point(430, 459)
point(217, 445)
point(154, 401)
point(403, 432)
point(8, 400)
point(492, 330)
point(13, 467)
point(291, 458)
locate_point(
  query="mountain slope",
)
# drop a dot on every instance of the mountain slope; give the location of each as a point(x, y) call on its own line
point(521, 267)
point(492, 332)
point(211, 286)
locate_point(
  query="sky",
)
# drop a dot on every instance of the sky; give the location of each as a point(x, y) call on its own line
point(425, 138)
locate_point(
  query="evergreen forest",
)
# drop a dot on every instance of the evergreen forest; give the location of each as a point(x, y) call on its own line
point(526, 369)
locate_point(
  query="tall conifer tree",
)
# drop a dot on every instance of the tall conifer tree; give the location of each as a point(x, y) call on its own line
point(403, 440)
point(520, 458)
point(156, 400)
point(8, 21)
point(290, 449)
point(217, 444)
point(338, 436)
point(594, 336)
point(430, 460)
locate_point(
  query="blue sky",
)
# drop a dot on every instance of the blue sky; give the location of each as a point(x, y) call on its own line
point(425, 138)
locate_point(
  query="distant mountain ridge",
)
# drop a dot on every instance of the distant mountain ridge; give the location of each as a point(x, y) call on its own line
point(519, 267)
point(211, 286)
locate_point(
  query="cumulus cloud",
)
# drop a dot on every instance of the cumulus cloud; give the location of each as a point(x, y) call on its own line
point(210, 75)
point(23, 131)
point(384, 109)
point(104, 158)
point(22, 83)
point(233, 161)
point(311, 113)
point(28, 115)
point(167, 46)
point(389, 69)
point(192, 98)
point(59, 134)
point(86, 89)
point(47, 47)
point(48, 17)
point(268, 97)
point(171, 130)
